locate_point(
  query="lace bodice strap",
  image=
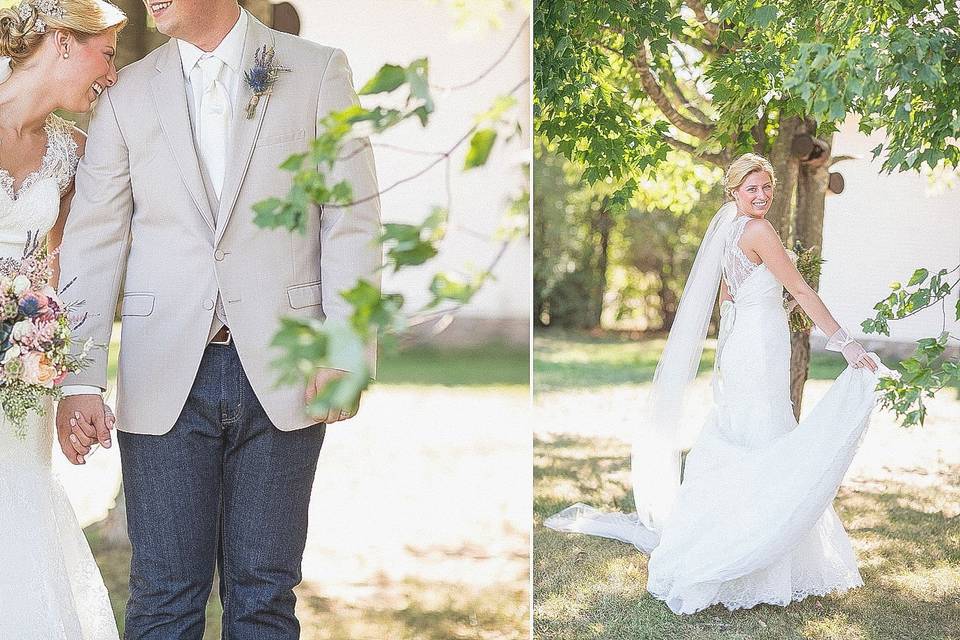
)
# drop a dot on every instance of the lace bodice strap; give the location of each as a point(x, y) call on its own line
point(60, 159)
point(736, 266)
point(63, 153)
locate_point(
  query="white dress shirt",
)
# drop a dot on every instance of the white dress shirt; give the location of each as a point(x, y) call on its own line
point(230, 52)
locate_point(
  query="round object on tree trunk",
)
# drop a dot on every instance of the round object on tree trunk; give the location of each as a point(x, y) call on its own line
point(836, 183)
point(286, 18)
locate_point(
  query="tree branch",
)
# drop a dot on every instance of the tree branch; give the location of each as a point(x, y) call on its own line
point(835, 159)
point(711, 28)
point(656, 94)
point(760, 133)
point(489, 69)
point(704, 47)
point(671, 82)
point(441, 157)
point(721, 159)
point(691, 105)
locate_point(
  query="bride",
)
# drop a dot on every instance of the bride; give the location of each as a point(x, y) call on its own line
point(752, 521)
point(54, 54)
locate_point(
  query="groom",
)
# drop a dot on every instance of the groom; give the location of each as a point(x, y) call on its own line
point(218, 462)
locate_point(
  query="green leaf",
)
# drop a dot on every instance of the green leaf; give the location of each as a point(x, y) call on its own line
point(294, 162)
point(388, 78)
point(764, 15)
point(418, 77)
point(918, 276)
point(480, 146)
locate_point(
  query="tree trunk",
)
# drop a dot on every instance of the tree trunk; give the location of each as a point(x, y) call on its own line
point(787, 168)
point(812, 183)
point(133, 42)
point(262, 9)
point(668, 302)
point(604, 223)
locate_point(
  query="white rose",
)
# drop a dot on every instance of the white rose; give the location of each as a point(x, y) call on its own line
point(12, 353)
point(22, 329)
point(31, 368)
point(20, 284)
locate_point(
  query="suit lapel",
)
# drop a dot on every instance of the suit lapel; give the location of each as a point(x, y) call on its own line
point(245, 130)
point(170, 99)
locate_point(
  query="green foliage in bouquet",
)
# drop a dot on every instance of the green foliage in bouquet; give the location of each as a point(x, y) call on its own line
point(809, 264)
point(36, 329)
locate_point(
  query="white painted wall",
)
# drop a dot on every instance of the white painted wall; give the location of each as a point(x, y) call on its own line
point(878, 231)
point(374, 32)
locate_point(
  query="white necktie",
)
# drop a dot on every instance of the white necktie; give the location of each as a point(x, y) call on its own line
point(214, 117)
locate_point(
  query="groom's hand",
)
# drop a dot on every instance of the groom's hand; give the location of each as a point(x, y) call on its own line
point(82, 421)
point(322, 378)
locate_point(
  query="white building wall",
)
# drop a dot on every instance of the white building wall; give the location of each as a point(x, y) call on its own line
point(374, 32)
point(879, 230)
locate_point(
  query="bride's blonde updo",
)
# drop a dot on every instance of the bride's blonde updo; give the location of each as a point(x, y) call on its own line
point(20, 38)
point(742, 167)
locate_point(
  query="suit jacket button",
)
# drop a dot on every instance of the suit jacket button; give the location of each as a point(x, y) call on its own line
point(208, 304)
point(219, 255)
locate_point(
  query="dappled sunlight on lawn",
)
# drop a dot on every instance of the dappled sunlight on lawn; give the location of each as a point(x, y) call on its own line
point(900, 502)
point(907, 543)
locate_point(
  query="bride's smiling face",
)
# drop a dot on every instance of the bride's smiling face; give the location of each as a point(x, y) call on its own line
point(755, 194)
point(88, 71)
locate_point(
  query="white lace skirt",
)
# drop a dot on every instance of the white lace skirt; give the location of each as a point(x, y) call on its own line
point(756, 524)
point(50, 585)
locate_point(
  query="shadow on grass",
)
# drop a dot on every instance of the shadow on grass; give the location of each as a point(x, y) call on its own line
point(398, 610)
point(415, 609)
point(907, 539)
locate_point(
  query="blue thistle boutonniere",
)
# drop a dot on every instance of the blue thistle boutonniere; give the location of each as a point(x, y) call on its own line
point(261, 77)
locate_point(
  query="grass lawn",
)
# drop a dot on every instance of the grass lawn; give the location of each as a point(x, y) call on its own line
point(566, 359)
point(410, 608)
point(904, 522)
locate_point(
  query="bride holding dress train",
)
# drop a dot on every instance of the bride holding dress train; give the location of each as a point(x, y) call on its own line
point(752, 522)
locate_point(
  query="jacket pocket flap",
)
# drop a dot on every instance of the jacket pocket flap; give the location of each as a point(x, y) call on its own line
point(279, 138)
point(304, 295)
point(137, 304)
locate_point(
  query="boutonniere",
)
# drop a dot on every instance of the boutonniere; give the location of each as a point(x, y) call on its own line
point(261, 77)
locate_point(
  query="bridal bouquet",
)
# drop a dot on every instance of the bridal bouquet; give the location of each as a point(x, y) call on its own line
point(809, 264)
point(36, 330)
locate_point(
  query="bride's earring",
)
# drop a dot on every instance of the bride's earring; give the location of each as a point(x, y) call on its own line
point(66, 54)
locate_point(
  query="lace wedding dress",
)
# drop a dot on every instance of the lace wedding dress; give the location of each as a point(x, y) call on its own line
point(50, 585)
point(752, 521)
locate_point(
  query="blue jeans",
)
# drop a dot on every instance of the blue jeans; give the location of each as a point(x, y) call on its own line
point(224, 488)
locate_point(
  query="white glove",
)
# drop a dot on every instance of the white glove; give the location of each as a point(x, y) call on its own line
point(853, 352)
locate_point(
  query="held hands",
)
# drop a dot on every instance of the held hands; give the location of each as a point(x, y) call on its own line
point(83, 421)
point(321, 379)
point(854, 353)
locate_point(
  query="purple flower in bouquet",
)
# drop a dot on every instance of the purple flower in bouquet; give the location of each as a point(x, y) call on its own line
point(36, 327)
point(33, 304)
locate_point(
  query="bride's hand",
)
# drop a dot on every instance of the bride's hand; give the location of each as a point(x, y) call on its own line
point(853, 352)
point(83, 420)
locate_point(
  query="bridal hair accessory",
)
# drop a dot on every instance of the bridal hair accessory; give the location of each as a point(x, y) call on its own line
point(45, 7)
point(5, 69)
point(261, 77)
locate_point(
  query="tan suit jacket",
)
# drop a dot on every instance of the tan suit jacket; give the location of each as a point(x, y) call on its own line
point(141, 217)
